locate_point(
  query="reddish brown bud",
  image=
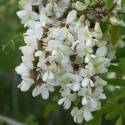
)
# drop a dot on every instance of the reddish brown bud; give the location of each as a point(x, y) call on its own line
point(48, 25)
point(32, 74)
point(72, 58)
point(39, 43)
point(47, 63)
point(34, 63)
point(75, 67)
point(75, 47)
point(64, 20)
point(110, 15)
point(61, 25)
point(97, 20)
point(71, 92)
point(59, 19)
point(46, 53)
point(44, 29)
point(40, 82)
point(33, 8)
point(79, 106)
point(93, 89)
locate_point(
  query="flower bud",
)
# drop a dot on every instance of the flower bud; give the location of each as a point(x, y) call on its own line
point(81, 19)
point(71, 16)
point(87, 22)
point(114, 21)
point(97, 33)
point(73, 5)
point(80, 6)
point(87, 2)
point(79, 25)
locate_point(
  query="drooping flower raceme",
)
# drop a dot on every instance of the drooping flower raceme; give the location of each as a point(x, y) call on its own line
point(64, 47)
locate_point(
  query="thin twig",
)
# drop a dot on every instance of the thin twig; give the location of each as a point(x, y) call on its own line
point(10, 121)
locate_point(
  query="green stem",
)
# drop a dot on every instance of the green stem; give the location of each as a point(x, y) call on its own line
point(96, 3)
point(4, 46)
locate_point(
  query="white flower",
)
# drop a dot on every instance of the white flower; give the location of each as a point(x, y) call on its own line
point(84, 34)
point(41, 90)
point(25, 16)
point(60, 7)
point(25, 4)
point(83, 50)
point(53, 46)
point(77, 114)
point(25, 85)
point(28, 61)
point(38, 53)
point(101, 51)
point(27, 50)
point(67, 100)
point(31, 41)
point(87, 114)
point(35, 29)
point(87, 74)
point(85, 92)
point(88, 98)
point(21, 69)
point(48, 75)
point(97, 63)
point(100, 81)
point(67, 52)
point(36, 2)
point(75, 82)
point(71, 16)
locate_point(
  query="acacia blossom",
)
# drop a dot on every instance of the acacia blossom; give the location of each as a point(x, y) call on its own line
point(65, 50)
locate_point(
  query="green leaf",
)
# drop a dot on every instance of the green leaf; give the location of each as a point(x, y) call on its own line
point(113, 68)
point(77, 101)
point(120, 53)
point(116, 82)
point(116, 60)
point(119, 121)
point(109, 4)
point(12, 44)
point(116, 92)
point(95, 121)
point(106, 108)
point(114, 34)
point(122, 3)
point(103, 27)
point(123, 17)
point(112, 115)
point(108, 93)
point(2, 122)
point(50, 108)
point(121, 30)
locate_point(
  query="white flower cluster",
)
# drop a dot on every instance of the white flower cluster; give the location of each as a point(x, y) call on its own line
point(65, 52)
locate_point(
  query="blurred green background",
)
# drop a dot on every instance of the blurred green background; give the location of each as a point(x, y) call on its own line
point(23, 107)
